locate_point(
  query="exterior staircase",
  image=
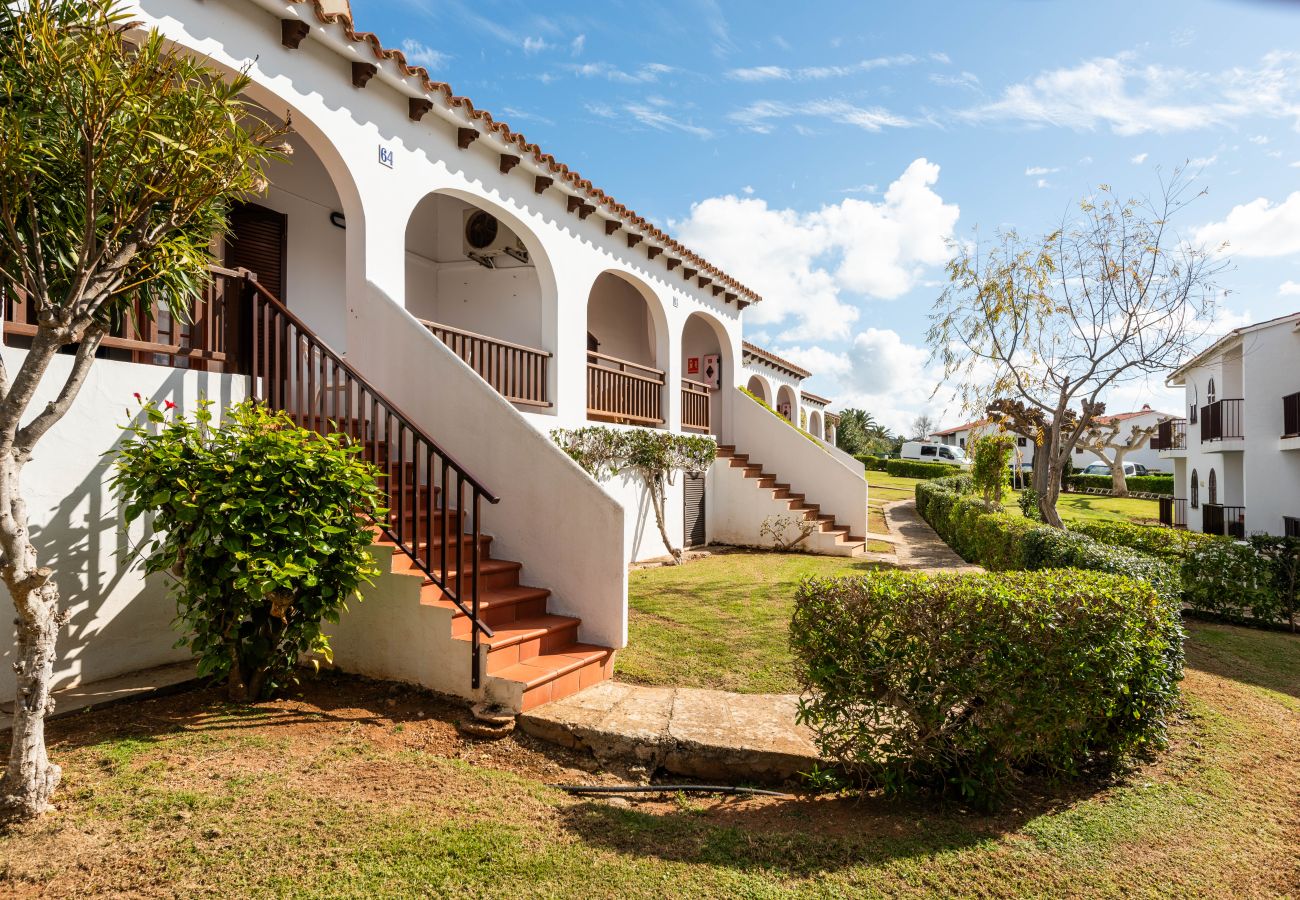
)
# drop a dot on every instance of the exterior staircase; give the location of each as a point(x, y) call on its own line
point(829, 536)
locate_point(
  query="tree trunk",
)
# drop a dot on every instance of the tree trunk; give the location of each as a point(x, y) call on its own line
point(1049, 489)
point(655, 485)
point(1118, 483)
point(30, 778)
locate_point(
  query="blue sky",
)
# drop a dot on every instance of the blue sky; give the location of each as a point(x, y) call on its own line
point(824, 153)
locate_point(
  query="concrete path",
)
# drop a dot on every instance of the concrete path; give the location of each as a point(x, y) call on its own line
point(731, 738)
point(919, 547)
point(131, 686)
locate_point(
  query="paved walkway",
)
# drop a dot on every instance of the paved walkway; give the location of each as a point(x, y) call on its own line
point(918, 546)
point(119, 688)
point(730, 738)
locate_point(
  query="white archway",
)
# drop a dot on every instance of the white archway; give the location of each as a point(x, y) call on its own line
point(787, 403)
point(815, 424)
point(706, 360)
point(627, 351)
point(759, 387)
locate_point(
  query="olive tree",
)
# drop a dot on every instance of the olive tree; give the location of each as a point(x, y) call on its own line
point(1111, 296)
point(118, 159)
point(1108, 439)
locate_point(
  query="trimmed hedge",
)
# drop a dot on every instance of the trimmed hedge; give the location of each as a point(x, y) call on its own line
point(1252, 582)
point(1173, 544)
point(1051, 548)
point(873, 463)
point(957, 684)
point(910, 468)
point(1146, 484)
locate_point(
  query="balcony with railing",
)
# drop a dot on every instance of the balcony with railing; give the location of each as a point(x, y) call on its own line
point(1170, 436)
point(1173, 512)
point(1224, 520)
point(1221, 424)
point(515, 371)
point(1291, 421)
point(695, 406)
point(620, 390)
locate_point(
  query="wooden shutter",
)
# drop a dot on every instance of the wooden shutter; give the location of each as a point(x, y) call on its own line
point(257, 243)
point(694, 497)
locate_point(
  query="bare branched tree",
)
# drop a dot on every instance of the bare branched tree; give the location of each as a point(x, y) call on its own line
point(922, 427)
point(1107, 438)
point(1112, 296)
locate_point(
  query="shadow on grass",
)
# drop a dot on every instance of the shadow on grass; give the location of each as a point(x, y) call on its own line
point(1266, 659)
point(807, 836)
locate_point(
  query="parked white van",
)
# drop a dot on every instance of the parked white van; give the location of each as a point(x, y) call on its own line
point(926, 451)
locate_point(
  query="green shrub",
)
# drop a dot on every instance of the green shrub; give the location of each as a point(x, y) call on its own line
point(1245, 582)
point(1028, 501)
point(872, 463)
point(956, 684)
point(1045, 547)
point(1146, 484)
point(259, 523)
point(1168, 543)
point(910, 468)
point(990, 455)
point(953, 484)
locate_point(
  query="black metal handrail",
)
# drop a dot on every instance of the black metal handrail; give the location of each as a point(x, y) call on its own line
point(1171, 435)
point(1224, 520)
point(1221, 420)
point(1291, 415)
point(295, 371)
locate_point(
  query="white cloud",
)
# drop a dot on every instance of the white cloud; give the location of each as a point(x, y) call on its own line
point(940, 57)
point(418, 54)
point(645, 74)
point(1042, 183)
point(965, 80)
point(1288, 288)
point(817, 73)
point(747, 189)
point(1201, 162)
point(1258, 139)
point(759, 116)
point(653, 115)
point(1131, 98)
point(1139, 159)
point(578, 44)
point(1041, 170)
point(534, 45)
point(1257, 228)
point(801, 263)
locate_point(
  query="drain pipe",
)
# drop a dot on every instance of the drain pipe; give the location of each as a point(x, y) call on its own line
point(579, 789)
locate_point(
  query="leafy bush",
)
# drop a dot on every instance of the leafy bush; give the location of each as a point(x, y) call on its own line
point(1147, 484)
point(953, 484)
point(1045, 547)
point(990, 456)
point(1245, 582)
point(910, 468)
point(956, 684)
point(1028, 501)
point(1168, 543)
point(872, 463)
point(259, 521)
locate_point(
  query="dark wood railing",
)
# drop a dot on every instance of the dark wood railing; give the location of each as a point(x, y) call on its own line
point(695, 405)
point(514, 371)
point(624, 391)
point(1171, 435)
point(431, 519)
point(1173, 512)
point(1221, 420)
point(1224, 520)
point(1291, 415)
point(197, 338)
point(1291, 526)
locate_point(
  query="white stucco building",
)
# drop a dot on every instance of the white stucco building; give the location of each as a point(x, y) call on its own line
point(1236, 453)
point(423, 274)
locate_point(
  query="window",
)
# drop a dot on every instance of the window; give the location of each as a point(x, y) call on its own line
point(1196, 488)
point(1022, 442)
point(1214, 488)
point(1078, 451)
point(1209, 396)
point(1191, 408)
point(962, 441)
point(945, 453)
point(929, 451)
point(1291, 526)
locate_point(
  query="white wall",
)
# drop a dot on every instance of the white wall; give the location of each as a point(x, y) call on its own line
point(120, 621)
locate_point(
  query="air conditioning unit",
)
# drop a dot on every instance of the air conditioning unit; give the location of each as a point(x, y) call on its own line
point(485, 237)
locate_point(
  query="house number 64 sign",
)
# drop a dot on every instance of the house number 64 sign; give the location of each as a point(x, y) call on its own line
point(385, 156)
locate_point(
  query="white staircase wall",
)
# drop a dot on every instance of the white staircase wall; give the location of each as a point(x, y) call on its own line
point(802, 463)
point(737, 507)
point(553, 517)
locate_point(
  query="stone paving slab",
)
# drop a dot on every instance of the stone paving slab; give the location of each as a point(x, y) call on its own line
point(919, 546)
point(687, 731)
point(112, 690)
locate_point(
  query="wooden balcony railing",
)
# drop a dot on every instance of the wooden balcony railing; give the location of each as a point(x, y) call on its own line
point(1171, 435)
point(1291, 526)
point(695, 405)
point(1291, 415)
point(514, 371)
point(1173, 512)
point(1221, 420)
point(1224, 520)
point(624, 391)
point(198, 338)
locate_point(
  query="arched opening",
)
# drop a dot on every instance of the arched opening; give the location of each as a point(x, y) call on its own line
point(705, 369)
point(758, 387)
point(1195, 490)
point(786, 403)
point(1212, 491)
point(815, 424)
point(830, 433)
point(477, 280)
point(626, 344)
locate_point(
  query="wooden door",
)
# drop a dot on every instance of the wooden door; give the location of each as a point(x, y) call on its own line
point(257, 242)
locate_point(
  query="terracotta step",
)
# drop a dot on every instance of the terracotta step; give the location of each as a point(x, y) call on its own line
point(523, 639)
point(725, 450)
point(560, 673)
point(497, 606)
point(493, 573)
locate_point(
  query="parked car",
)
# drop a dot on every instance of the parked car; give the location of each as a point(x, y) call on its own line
point(1130, 469)
point(927, 451)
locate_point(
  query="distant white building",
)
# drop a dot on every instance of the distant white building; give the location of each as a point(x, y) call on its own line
point(1236, 455)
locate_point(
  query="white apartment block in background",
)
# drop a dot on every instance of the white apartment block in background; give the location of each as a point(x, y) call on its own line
point(1236, 454)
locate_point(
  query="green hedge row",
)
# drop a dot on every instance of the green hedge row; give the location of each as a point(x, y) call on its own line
point(1147, 484)
point(1173, 544)
point(956, 684)
point(910, 468)
point(872, 463)
point(1254, 581)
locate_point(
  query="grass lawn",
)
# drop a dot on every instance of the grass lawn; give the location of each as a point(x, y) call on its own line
point(357, 789)
point(719, 622)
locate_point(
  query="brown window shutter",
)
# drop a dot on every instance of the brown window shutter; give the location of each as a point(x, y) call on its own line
point(257, 243)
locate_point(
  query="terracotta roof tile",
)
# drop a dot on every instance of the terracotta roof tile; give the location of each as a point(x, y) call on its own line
point(505, 133)
point(772, 359)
